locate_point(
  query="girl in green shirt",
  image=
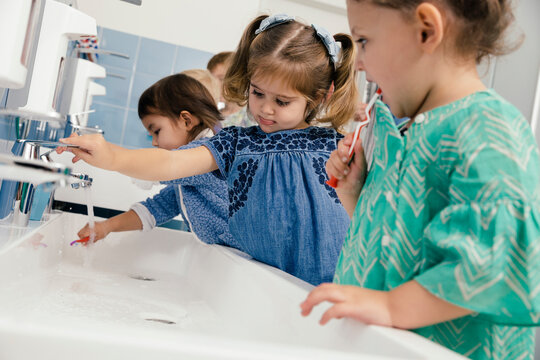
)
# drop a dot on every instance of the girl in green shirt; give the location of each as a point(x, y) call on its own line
point(445, 230)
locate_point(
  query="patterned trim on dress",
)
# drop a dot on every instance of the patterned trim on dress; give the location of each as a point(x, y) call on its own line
point(319, 166)
point(240, 188)
point(314, 139)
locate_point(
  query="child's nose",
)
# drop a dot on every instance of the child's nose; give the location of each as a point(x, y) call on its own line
point(154, 142)
point(359, 64)
point(267, 107)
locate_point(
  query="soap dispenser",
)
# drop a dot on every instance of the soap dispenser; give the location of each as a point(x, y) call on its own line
point(39, 97)
point(18, 20)
point(79, 88)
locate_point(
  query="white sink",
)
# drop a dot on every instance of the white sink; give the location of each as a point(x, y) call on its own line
point(164, 295)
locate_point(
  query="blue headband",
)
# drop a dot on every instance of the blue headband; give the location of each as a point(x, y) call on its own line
point(329, 42)
point(272, 21)
point(322, 33)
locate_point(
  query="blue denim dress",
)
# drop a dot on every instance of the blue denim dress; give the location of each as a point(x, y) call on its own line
point(281, 212)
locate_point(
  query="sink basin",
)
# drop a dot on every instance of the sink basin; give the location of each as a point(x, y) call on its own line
point(165, 295)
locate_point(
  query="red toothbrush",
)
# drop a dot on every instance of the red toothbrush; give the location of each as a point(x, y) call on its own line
point(333, 180)
point(84, 241)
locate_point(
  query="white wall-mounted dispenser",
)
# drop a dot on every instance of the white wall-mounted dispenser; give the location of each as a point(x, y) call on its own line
point(18, 20)
point(39, 98)
point(94, 89)
point(78, 88)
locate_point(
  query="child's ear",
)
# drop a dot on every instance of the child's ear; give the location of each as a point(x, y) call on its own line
point(430, 26)
point(189, 120)
point(330, 92)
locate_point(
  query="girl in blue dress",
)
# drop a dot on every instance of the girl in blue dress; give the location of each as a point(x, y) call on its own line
point(281, 212)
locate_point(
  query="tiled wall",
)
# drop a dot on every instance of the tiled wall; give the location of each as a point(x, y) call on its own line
point(149, 60)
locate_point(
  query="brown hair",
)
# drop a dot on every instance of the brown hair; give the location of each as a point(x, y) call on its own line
point(176, 93)
point(206, 78)
point(293, 53)
point(480, 27)
point(220, 58)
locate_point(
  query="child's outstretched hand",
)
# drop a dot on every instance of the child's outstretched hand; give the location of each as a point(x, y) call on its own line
point(365, 305)
point(101, 230)
point(93, 149)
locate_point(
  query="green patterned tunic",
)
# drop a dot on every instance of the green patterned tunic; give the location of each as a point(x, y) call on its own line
point(455, 205)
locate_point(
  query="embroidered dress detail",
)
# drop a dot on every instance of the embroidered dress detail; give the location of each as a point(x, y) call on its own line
point(278, 206)
point(319, 164)
point(238, 194)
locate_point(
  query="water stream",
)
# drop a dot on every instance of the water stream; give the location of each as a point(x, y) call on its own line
point(89, 253)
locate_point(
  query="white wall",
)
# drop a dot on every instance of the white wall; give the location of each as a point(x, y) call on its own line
point(209, 25)
point(516, 74)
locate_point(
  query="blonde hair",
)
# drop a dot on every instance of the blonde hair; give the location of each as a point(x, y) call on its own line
point(206, 78)
point(223, 57)
point(293, 53)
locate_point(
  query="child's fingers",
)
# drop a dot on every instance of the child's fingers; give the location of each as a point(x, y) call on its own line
point(337, 311)
point(335, 166)
point(84, 232)
point(80, 154)
point(360, 113)
point(324, 292)
point(87, 142)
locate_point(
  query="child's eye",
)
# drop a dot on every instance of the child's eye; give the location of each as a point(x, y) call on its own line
point(282, 103)
point(362, 43)
point(157, 132)
point(256, 93)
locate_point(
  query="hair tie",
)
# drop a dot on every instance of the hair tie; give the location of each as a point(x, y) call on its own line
point(272, 21)
point(329, 43)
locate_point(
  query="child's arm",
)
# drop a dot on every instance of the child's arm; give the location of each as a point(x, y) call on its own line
point(408, 306)
point(351, 177)
point(123, 222)
point(146, 164)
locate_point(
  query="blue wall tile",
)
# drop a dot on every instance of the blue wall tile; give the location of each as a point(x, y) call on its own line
point(7, 128)
point(135, 134)
point(155, 57)
point(141, 82)
point(110, 119)
point(188, 58)
point(121, 42)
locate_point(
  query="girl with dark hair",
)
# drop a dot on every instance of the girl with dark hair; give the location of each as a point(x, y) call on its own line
point(180, 113)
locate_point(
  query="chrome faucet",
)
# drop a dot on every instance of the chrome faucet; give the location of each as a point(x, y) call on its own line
point(28, 168)
point(73, 125)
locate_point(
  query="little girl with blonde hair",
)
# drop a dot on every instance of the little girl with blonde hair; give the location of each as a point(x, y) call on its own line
point(281, 212)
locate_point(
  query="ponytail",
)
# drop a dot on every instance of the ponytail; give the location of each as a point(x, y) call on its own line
point(341, 105)
point(236, 81)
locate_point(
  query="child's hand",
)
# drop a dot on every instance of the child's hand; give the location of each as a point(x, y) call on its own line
point(367, 306)
point(101, 230)
point(360, 113)
point(351, 177)
point(93, 149)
